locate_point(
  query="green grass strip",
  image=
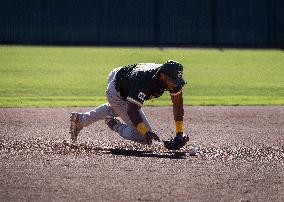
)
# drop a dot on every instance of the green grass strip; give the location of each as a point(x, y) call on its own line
point(77, 76)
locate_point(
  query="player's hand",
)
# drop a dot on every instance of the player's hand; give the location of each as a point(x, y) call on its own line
point(150, 136)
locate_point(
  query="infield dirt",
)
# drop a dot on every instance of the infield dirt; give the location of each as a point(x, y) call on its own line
point(240, 157)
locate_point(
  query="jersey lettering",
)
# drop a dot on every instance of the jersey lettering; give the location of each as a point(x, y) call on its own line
point(141, 95)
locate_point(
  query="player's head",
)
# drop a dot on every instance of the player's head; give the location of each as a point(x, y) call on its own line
point(174, 72)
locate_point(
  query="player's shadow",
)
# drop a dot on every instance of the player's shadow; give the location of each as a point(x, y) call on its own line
point(126, 152)
point(138, 153)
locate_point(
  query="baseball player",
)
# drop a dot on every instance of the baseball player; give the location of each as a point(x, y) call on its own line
point(128, 87)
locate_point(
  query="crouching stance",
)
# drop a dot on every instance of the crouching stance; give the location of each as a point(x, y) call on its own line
point(128, 87)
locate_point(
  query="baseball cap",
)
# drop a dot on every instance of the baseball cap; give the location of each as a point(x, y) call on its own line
point(175, 71)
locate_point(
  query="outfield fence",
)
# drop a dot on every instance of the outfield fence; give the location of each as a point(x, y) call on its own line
point(143, 22)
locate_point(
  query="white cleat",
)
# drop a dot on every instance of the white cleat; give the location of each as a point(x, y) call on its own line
point(75, 126)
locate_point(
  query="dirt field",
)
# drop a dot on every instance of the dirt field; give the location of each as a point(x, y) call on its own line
point(240, 158)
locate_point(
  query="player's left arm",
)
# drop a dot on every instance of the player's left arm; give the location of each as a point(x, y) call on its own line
point(180, 139)
point(178, 111)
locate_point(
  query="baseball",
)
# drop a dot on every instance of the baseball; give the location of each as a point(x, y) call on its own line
point(192, 151)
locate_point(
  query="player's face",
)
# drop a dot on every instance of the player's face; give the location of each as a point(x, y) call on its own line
point(167, 82)
point(170, 84)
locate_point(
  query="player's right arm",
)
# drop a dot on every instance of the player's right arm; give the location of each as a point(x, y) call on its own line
point(135, 99)
point(134, 115)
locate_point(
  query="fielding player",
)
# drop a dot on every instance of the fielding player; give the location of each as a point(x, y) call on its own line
point(128, 87)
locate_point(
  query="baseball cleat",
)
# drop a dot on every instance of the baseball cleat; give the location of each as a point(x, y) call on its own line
point(75, 126)
point(111, 122)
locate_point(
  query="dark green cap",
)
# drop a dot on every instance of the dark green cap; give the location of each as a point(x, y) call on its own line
point(175, 71)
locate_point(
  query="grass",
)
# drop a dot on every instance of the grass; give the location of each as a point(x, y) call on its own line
point(77, 76)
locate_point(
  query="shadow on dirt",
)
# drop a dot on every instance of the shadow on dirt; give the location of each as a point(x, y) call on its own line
point(138, 153)
point(66, 148)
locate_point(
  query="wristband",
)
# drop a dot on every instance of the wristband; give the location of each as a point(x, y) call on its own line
point(142, 128)
point(179, 126)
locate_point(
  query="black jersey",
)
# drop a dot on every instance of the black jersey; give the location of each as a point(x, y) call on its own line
point(139, 82)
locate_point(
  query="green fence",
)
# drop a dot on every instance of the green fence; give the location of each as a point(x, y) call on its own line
point(143, 22)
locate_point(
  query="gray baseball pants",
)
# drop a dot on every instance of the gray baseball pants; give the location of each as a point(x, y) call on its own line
point(116, 107)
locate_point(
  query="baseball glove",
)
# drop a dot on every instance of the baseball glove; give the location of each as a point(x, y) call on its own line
point(177, 142)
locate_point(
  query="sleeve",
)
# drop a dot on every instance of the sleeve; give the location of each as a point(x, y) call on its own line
point(176, 91)
point(137, 95)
